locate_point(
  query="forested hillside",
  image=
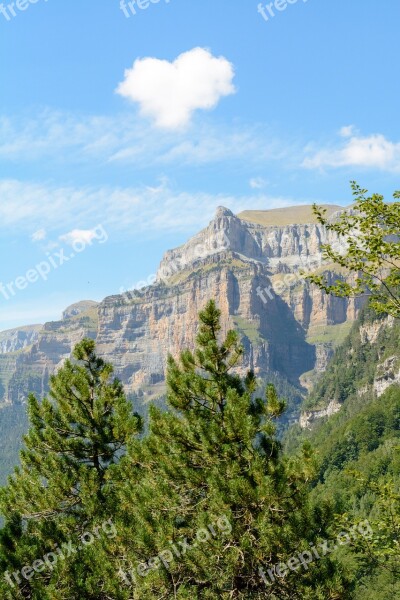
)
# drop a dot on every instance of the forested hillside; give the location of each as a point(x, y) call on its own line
point(358, 448)
point(352, 417)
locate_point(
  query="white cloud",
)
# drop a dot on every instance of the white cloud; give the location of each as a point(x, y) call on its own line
point(347, 131)
point(38, 235)
point(373, 151)
point(86, 236)
point(257, 183)
point(170, 92)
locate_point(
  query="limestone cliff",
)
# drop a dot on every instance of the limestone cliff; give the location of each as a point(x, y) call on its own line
point(362, 369)
point(27, 368)
point(14, 340)
point(137, 334)
point(254, 272)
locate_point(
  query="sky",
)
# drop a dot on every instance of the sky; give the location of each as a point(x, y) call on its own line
point(124, 125)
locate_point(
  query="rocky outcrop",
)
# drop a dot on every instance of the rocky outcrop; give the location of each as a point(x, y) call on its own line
point(286, 249)
point(253, 271)
point(17, 339)
point(366, 365)
point(323, 354)
point(369, 332)
point(309, 417)
point(287, 253)
point(387, 373)
point(28, 370)
point(138, 334)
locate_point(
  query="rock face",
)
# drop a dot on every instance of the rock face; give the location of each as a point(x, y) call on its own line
point(253, 272)
point(14, 340)
point(387, 374)
point(285, 249)
point(307, 418)
point(138, 334)
point(366, 365)
point(28, 369)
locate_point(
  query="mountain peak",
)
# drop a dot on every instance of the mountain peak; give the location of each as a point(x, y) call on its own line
point(79, 308)
point(223, 212)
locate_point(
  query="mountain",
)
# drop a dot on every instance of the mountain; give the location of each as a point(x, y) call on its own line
point(251, 267)
point(250, 264)
point(25, 367)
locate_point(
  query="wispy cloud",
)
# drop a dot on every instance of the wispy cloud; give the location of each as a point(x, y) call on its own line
point(144, 210)
point(257, 183)
point(86, 139)
point(373, 151)
point(39, 235)
point(49, 132)
point(347, 131)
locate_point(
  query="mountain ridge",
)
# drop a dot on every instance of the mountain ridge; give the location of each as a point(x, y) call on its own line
point(244, 266)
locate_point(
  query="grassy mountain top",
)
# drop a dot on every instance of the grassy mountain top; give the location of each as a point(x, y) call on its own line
point(79, 308)
point(290, 215)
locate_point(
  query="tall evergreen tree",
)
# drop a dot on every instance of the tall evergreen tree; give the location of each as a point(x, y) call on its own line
point(218, 504)
point(65, 485)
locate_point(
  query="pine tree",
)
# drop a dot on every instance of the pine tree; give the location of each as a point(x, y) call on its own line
point(65, 485)
point(208, 493)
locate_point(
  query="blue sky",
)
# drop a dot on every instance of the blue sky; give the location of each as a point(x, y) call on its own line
point(126, 133)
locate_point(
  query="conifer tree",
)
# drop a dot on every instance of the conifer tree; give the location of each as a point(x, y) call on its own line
point(65, 484)
point(212, 501)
